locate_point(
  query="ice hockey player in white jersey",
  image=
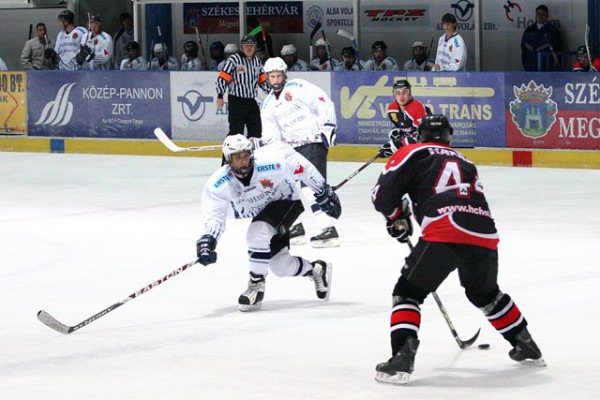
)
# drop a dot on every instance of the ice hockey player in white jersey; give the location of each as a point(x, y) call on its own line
point(190, 60)
point(380, 60)
point(230, 49)
point(349, 61)
point(162, 60)
point(261, 184)
point(290, 56)
point(69, 40)
point(96, 52)
point(301, 113)
point(133, 61)
point(323, 61)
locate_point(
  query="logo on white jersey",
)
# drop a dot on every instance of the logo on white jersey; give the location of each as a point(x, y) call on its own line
point(59, 111)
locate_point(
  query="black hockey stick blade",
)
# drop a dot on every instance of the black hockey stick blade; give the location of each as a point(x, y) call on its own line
point(315, 30)
point(466, 343)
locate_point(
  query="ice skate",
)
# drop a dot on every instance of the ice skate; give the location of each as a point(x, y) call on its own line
point(297, 234)
point(397, 370)
point(251, 299)
point(526, 351)
point(328, 238)
point(321, 276)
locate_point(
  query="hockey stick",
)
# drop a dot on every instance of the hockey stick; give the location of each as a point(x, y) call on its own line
point(164, 139)
point(351, 37)
point(328, 49)
point(587, 48)
point(58, 326)
point(312, 35)
point(352, 175)
point(463, 344)
point(556, 62)
point(30, 31)
point(199, 40)
point(163, 47)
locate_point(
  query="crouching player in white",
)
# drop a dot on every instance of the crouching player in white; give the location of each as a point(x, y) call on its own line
point(298, 112)
point(261, 185)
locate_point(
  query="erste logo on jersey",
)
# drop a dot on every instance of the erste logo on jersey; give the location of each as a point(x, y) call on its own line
point(222, 180)
point(268, 167)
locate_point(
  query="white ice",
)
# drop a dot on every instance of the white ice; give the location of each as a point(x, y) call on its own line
point(81, 232)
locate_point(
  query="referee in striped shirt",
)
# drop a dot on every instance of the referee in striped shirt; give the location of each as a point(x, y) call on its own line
point(241, 75)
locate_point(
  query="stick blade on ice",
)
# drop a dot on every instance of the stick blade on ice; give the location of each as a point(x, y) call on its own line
point(52, 322)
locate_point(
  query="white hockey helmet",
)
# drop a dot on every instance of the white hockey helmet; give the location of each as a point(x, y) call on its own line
point(275, 64)
point(288, 50)
point(235, 144)
point(160, 48)
point(321, 42)
point(231, 48)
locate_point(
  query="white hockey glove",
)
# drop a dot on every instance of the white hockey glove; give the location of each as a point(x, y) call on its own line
point(327, 132)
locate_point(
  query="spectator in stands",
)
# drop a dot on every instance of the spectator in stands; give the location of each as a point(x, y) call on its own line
point(583, 61)
point(122, 38)
point(542, 36)
point(323, 61)
point(217, 56)
point(349, 61)
point(32, 56)
point(451, 51)
point(3, 66)
point(290, 56)
point(380, 60)
point(255, 29)
point(134, 60)
point(420, 60)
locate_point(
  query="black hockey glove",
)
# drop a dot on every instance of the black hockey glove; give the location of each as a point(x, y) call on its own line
point(89, 53)
point(80, 57)
point(329, 202)
point(205, 248)
point(387, 150)
point(49, 53)
point(400, 228)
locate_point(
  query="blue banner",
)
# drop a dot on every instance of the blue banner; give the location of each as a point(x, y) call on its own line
point(112, 104)
point(473, 102)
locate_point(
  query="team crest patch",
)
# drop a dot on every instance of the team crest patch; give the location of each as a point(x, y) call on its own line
point(288, 96)
point(241, 69)
point(75, 35)
point(266, 183)
point(533, 110)
point(299, 169)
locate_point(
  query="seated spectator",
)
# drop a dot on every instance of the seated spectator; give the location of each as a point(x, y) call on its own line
point(419, 62)
point(323, 61)
point(190, 60)
point(216, 50)
point(32, 56)
point(380, 60)
point(133, 60)
point(583, 62)
point(541, 36)
point(349, 61)
point(162, 60)
point(230, 50)
point(290, 56)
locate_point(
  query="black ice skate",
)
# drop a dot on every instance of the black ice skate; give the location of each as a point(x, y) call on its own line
point(321, 276)
point(397, 369)
point(251, 299)
point(297, 234)
point(526, 351)
point(328, 238)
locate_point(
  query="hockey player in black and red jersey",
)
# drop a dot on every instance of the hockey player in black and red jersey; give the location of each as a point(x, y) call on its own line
point(458, 232)
point(406, 113)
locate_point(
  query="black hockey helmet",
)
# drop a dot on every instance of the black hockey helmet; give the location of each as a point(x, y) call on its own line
point(248, 39)
point(401, 84)
point(191, 47)
point(435, 128)
point(96, 18)
point(379, 45)
point(133, 45)
point(67, 15)
point(582, 51)
point(348, 52)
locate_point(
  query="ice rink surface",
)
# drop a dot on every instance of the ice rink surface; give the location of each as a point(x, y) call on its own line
point(81, 232)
